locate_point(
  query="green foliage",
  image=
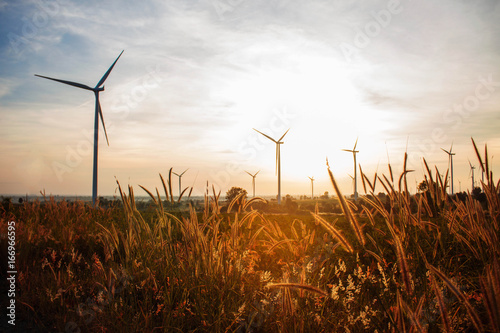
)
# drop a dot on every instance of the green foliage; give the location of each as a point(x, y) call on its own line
point(235, 192)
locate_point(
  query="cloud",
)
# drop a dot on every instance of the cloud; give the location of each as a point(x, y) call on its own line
point(6, 87)
point(196, 77)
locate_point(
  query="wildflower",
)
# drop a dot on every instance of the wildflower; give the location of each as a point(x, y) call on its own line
point(158, 310)
point(309, 267)
point(96, 264)
point(322, 273)
point(335, 291)
point(53, 256)
point(364, 319)
point(350, 283)
point(265, 276)
point(342, 266)
point(45, 262)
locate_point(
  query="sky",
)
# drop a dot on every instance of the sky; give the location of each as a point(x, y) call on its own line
point(196, 77)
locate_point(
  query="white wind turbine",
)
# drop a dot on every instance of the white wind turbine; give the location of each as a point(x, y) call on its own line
point(312, 187)
point(180, 176)
point(472, 173)
point(450, 154)
point(98, 114)
point(278, 159)
point(253, 180)
point(354, 152)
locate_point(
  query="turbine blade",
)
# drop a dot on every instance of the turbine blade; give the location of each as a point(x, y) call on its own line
point(184, 172)
point(355, 144)
point(248, 173)
point(256, 174)
point(283, 135)
point(267, 136)
point(175, 174)
point(74, 84)
point(447, 152)
point(109, 71)
point(102, 119)
point(351, 151)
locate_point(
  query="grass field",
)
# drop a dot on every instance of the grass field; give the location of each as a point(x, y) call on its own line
point(403, 264)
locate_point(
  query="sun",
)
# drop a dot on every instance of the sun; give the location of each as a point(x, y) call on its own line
point(325, 109)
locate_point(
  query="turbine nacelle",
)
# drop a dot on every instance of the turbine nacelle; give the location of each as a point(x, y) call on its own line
point(181, 173)
point(253, 176)
point(447, 152)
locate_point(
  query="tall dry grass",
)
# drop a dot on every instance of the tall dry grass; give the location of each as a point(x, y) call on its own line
point(392, 263)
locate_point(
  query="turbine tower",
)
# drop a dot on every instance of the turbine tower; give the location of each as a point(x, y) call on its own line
point(98, 114)
point(278, 159)
point(352, 179)
point(450, 154)
point(180, 176)
point(472, 173)
point(354, 152)
point(312, 187)
point(253, 180)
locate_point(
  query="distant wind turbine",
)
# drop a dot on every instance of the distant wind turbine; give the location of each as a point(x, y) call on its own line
point(450, 154)
point(354, 152)
point(98, 113)
point(278, 159)
point(180, 176)
point(253, 180)
point(472, 173)
point(312, 187)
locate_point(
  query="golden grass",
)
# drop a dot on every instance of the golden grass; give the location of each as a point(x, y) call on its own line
point(397, 263)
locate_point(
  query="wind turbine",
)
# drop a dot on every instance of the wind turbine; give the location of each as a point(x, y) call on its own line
point(98, 114)
point(472, 173)
point(450, 154)
point(180, 176)
point(278, 159)
point(253, 180)
point(354, 152)
point(312, 187)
